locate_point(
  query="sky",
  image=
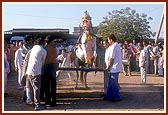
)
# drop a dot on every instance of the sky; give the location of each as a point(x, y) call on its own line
point(68, 15)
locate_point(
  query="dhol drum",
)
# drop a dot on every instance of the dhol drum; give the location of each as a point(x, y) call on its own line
point(125, 62)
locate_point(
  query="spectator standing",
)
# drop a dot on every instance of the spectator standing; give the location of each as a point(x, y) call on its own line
point(138, 50)
point(34, 69)
point(134, 44)
point(7, 51)
point(156, 52)
point(160, 65)
point(106, 60)
point(115, 67)
point(6, 71)
point(27, 46)
point(64, 61)
point(162, 51)
point(149, 53)
point(126, 55)
point(50, 72)
point(100, 54)
point(26, 83)
point(146, 50)
point(133, 59)
point(152, 57)
point(18, 63)
point(12, 55)
point(143, 65)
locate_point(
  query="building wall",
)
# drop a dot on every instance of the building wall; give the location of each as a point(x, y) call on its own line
point(79, 30)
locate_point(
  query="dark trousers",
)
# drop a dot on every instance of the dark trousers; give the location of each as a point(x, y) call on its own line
point(113, 89)
point(106, 81)
point(151, 66)
point(50, 83)
point(42, 90)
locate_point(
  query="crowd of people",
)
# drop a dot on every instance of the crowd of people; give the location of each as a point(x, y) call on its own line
point(146, 58)
point(151, 59)
point(36, 61)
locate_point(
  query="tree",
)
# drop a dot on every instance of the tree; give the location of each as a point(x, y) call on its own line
point(126, 24)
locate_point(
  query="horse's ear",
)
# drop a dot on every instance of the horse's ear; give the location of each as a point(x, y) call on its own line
point(95, 36)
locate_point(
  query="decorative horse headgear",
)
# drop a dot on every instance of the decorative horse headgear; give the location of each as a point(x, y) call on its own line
point(87, 26)
point(86, 21)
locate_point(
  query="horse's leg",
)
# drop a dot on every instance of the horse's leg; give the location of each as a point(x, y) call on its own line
point(85, 75)
point(81, 76)
point(69, 75)
point(58, 73)
point(77, 73)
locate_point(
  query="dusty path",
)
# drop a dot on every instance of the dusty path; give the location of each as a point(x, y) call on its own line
point(135, 97)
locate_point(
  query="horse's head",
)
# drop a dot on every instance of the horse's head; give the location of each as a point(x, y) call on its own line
point(88, 40)
point(87, 24)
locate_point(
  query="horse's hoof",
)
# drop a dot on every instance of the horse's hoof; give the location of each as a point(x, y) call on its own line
point(74, 80)
point(76, 87)
point(87, 87)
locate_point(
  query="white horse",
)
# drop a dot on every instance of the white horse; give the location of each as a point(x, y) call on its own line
point(84, 56)
point(84, 53)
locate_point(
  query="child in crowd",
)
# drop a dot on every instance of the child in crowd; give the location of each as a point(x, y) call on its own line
point(160, 65)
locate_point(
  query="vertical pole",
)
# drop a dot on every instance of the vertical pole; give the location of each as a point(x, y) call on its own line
point(159, 29)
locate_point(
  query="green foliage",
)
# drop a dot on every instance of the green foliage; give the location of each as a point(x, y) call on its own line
point(126, 24)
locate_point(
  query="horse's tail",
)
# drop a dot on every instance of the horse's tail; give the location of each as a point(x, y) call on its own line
point(72, 57)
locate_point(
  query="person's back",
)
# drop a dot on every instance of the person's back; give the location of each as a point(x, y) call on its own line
point(117, 56)
point(49, 72)
point(12, 55)
point(100, 55)
point(34, 71)
point(36, 60)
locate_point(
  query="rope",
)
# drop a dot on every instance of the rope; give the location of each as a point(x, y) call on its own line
point(82, 69)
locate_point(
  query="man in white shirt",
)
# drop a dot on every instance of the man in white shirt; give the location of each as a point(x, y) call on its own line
point(143, 65)
point(115, 67)
point(18, 63)
point(106, 59)
point(64, 61)
point(34, 69)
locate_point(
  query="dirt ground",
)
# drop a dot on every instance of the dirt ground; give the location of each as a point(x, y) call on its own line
point(135, 97)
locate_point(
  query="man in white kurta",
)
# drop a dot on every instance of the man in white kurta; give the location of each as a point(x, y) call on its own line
point(143, 65)
point(18, 63)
